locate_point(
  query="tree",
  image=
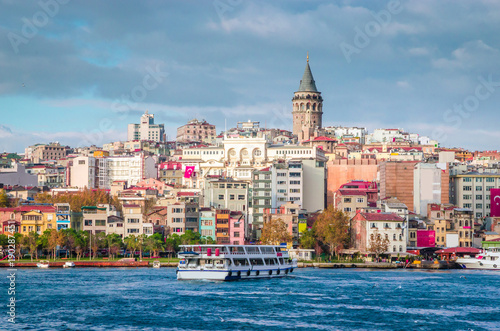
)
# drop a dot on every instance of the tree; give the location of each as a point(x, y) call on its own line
point(4, 199)
point(131, 242)
point(332, 229)
point(190, 238)
point(81, 243)
point(52, 237)
point(113, 242)
point(32, 243)
point(154, 244)
point(4, 240)
point(274, 232)
point(77, 200)
point(308, 239)
point(377, 244)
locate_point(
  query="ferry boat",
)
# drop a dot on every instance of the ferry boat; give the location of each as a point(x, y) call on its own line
point(490, 260)
point(233, 262)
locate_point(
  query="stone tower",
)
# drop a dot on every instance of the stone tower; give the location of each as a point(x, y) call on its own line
point(307, 107)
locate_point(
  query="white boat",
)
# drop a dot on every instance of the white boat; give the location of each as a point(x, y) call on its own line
point(233, 262)
point(156, 264)
point(43, 264)
point(489, 260)
point(69, 265)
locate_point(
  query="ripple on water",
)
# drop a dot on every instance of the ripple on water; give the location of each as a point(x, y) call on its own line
point(323, 299)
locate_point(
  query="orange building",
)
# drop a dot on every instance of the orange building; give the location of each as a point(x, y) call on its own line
point(343, 171)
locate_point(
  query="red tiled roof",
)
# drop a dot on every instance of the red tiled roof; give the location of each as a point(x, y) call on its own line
point(29, 208)
point(381, 217)
point(186, 194)
point(131, 206)
point(348, 191)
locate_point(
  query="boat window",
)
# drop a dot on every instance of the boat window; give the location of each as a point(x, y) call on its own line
point(252, 250)
point(267, 250)
point(281, 261)
point(257, 261)
point(241, 262)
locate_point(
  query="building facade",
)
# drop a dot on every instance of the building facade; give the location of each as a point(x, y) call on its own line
point(146, 129)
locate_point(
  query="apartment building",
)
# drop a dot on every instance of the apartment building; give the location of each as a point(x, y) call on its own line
point(196, 130)
point(44, 152)
point(471, 190)
point(82, 172)
point(95, 217)
point(38, 220)
point(133, 220)
point(226, 193)
point(453, 227)
point(222, 226)
point(146, 129)
point(389, 226)
point(208, 222)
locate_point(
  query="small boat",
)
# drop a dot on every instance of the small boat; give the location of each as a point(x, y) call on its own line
point(489, 260)
point(234, 262)
point(69, 265)
point(43, 264)
point(156, 264)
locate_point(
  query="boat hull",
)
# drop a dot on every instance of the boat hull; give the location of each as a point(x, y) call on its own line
point(229, 275)
point(474, 264)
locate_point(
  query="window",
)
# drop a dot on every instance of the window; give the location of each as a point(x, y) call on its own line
point(467, 188)
point(479, 215)
point(467, 196)
point(467, 205)
point(177, 220)
point(479, 180)
point(100, 223)
point(479, 197)
point(295, 174)
point(373, 225)
point(177, 210)
point(295, 190)
point(281, 182)
point(281, 174)
point(132, 220)
point(295, 182)
point(488, 188)
point(237, 234)
point(490, 180)
point(479, 188)
point(360, 200)
point(479, 206)
point(231, 197)
point(88, 222)
point(347, 200)
point(394, 237)
point(241, 197)
point(81, 161)
point(347, 209)
point(132, 230)
point(221, 196)
point(387, 225)
point(467, 179)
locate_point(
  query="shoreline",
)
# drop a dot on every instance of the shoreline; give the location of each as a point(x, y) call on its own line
point(319, 265)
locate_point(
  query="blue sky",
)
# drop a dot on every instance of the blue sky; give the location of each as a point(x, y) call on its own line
point(422, 68)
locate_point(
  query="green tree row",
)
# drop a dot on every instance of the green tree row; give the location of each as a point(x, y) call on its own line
point(82, 243)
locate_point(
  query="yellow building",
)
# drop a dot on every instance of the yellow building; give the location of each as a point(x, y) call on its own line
point(101, 153)
point(38, 221)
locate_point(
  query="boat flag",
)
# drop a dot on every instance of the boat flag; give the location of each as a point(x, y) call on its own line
point(495, 202)
point(189, 171)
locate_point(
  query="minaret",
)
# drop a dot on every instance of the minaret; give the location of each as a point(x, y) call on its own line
point(307, 106)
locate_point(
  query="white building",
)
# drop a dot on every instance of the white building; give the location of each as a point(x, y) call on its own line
point(146, 130)
point(132, 169)
point(82, 172)
point(339, 132)
point(287, 182)
point(426, 185)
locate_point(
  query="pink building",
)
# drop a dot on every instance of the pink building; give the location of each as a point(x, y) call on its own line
point(236, 228)
point(426, 238)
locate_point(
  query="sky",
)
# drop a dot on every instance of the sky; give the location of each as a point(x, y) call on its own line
point(78, 72)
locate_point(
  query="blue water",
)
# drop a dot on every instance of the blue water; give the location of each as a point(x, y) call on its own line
point(321, 299)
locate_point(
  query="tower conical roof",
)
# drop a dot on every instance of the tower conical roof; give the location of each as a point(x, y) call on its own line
point(307, 83)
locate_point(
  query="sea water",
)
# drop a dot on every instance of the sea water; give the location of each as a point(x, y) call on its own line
point(309, 299)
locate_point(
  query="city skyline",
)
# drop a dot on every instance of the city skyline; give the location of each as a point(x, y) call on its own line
point(378, 65)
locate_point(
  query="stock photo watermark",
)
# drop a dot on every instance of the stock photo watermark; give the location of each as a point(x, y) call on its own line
point(372, 29)
point(154, 77)
point(461, 111)
point(224, 6)
point(11, 276)
point(30, 28)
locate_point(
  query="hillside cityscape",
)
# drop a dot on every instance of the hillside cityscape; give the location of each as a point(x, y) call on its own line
point(399, 192)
